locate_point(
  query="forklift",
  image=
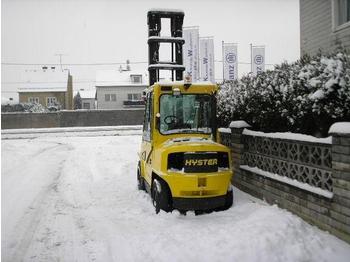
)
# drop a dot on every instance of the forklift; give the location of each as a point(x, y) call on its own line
point(181, 163)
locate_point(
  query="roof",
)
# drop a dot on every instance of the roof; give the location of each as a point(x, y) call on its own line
point(119, 78)
point(44, 81)
point(87, 94)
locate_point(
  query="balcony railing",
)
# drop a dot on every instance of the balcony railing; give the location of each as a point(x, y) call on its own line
point(133, 103)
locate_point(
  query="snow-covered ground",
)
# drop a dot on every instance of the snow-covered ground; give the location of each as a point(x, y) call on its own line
point(74, 198)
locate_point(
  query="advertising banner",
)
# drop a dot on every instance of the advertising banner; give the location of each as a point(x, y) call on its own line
point(230, 61)
point(258, 59)
point(191, 52)
point(206, 59)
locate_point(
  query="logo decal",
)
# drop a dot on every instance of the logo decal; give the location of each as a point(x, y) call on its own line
point(201, 162)
point(231, 58)
point(258, 59)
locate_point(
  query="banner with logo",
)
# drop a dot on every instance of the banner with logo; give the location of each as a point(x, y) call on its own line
point(206, 59)
point(258, 59)
point(230, 60)
point(191, 52)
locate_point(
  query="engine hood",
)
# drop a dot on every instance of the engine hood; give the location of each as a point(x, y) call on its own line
point(191, 144)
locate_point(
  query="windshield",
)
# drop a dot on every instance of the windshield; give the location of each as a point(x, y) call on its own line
point(185, 114)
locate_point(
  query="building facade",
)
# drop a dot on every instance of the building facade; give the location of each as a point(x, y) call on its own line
point(120, 89)
point(324, 25)
point(48, 87)
point(88, 99)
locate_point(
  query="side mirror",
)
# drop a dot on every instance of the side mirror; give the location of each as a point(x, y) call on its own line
point(157, 121)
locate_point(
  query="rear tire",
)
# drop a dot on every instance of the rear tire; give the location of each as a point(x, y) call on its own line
point(160, 196)
point(140, 180)
point(228, 200)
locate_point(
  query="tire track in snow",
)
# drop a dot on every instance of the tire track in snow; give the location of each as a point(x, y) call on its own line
point(28, 224)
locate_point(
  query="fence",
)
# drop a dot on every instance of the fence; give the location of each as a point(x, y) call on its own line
point(308, 176)
point(72, 118)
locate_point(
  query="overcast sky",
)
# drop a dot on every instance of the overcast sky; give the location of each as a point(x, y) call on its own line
point(108, 31)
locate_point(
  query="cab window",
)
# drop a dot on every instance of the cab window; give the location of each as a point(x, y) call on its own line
point(147, 124)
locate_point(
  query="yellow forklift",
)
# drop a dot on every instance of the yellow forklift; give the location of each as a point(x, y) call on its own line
point(181, 164)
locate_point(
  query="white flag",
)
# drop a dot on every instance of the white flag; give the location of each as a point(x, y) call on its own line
point(230, 58)
point(190, 52)
point(206, 59)
point(258, 59)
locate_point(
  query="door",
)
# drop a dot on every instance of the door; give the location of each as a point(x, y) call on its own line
point(147, 143)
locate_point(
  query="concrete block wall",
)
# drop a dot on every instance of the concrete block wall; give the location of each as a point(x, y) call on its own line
point(331, 214)
point(72, 118)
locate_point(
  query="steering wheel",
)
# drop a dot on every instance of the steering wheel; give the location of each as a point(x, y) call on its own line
point(170, 119)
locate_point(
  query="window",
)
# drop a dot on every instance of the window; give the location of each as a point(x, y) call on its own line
point(186, 114)
point(341, 13)
point(134, 97)
point(86, 105)
point(136, 78)
point(110, 97)
point(33, 100)
point(148, 118)
point(51, 101)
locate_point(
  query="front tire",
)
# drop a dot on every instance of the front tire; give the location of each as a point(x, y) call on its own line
point(160, 196)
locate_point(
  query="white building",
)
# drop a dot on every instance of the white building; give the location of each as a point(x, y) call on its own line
point(120, 89)
point(88, 99)
point(324, 25)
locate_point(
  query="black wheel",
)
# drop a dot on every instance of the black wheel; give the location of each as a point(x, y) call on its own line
point(160, 196)
point(140, 181)
point(228, 200)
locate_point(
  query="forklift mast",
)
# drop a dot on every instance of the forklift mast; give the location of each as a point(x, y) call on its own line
point(175, 63)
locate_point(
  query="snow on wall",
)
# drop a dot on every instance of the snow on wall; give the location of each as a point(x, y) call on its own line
point(289, 136)
point(288, 181)
point(340, 127)
point(239, 124)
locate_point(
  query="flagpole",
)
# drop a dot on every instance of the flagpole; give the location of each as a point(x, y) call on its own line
point(223, 63)
point(251, 57)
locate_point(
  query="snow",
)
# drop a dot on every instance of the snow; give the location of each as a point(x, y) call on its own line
point(224, 130)
point(239, 124)
point(44, 81)
point(166, 38)
point(295, 97)
point(87, 94)
point(165, 10)
point(188, 139)
point(166, 66)
point(289, 181)
point(71, 131)
point(340, 128)
point(319, 94)
point(75, 199)
point(119, 78)
point(7, 101)
point(289, 136)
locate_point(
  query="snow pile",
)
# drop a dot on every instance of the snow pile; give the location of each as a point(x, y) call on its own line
point(76, 199)
point(304, 97)
point(289, 136)
point(340, 128)
point(239, 124)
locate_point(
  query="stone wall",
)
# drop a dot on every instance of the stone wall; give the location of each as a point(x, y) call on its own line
point(72, 118)
point(328, 173)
